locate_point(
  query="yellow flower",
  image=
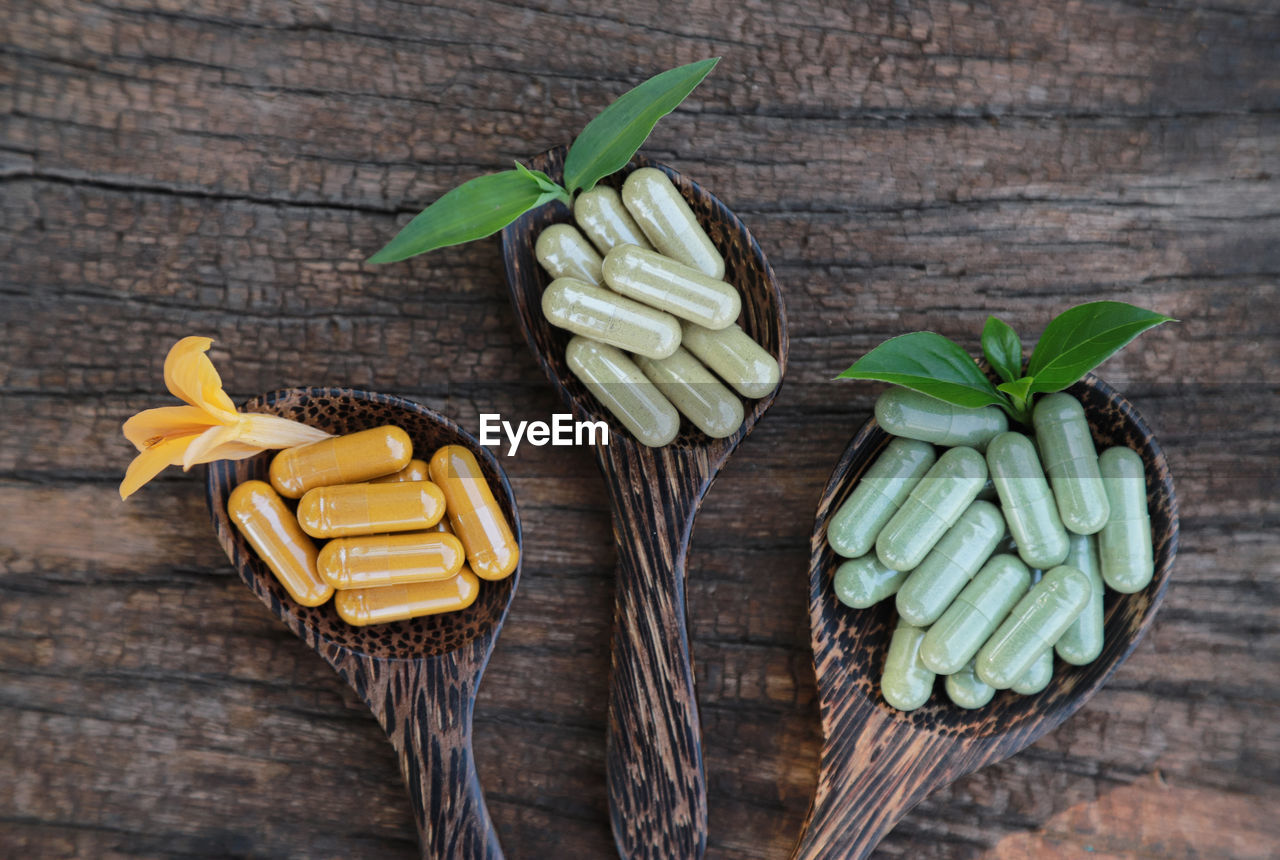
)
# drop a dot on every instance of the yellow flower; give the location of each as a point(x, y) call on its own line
point(208, 428)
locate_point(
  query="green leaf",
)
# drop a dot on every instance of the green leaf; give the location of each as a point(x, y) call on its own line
point(1080, 339)
point(544, 182)
point(1018, 389)
point(609, 140)
point(931, 364)
point(1003, 349)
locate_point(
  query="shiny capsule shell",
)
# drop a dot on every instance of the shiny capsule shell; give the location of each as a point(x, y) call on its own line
point(699, 396)
point(932, 507)
point(1082, 642)
point(363, 606)
point(415, 471)
point(974, 615)
point(671, 286)
point(565, 253)
point(906, 683)
point(1124, 544)
point(601, 214)
point(348, 459)
point(601, 314)
point(863, 582)
point(619, 384)
point(474, 514)
point(1065, 444)
point(1035, 679)
point(908, 413)
point(372, 561)
point(881, 491)
point(272, 530)
point(949, 566)
point(966, 689)
point(364, 509)
point(1041, 616)
point(668, 222)
point(1028, 504)
point(735, 357)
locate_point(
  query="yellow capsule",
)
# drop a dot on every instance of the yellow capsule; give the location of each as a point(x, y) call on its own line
point(667, 220)
point(415, 471)
point(372, 561)
point(474, 514)
point(273, 532)
point(361, 606)
point(346, 459)
point(366, 509)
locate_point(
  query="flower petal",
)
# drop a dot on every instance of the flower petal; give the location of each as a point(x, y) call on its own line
point(272, 431)
point(151, 462)
point(165, 422)
point(191, 377)
point(207, 443)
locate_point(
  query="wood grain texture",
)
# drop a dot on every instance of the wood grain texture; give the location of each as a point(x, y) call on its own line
point(223, 168)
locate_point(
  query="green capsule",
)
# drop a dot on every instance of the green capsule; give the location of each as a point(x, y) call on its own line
point(735, 357)
point(1038, 676)
point(1034, 625)
point(974, 614)
point(904, 412)
point(882, 490)
point(967, 690)
point(603, 315)
point(932, 507)
point(906, 683)
point(564, 253)
point(1065, 444)
point(668, 222)
point(671, 286)
point(949, 566)
point(617, 383)
point(699, 396)
point(863, 582)
point(1124, 544)
point(1082, 641)
point(606, 221)
point(1027, 501)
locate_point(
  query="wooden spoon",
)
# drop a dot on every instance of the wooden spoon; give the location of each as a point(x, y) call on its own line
point(878, 762)
point(657, 790)
point(419, 677)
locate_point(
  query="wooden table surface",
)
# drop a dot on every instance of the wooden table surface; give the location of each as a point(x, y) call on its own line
point(221, 167)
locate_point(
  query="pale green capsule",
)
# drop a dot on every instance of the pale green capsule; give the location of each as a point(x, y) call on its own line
point(863, 582)
point(932, 507)
point(700, 397)
point(671, 286)
point(603, 217)
point(617, 383)
point(1124, 544)
point(967, 690)
point(904, 412)
point(906, 683)
point(882, 490)
point(975, 614)
point(1065, 444)
point(1037, 677)
point(1033, 626)
point(735, 357)
point(949, 566)
point(564, 253)
point(603, 315)
point(668, 222)
point(1026, 500)
point(1082, 641)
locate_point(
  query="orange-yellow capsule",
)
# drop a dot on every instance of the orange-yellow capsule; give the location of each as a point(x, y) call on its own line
point(474, 514)
point(415, 471)
point(273, 532)
point(361, 606)
point(367, 509)
point(341, 460)
point(377, 560)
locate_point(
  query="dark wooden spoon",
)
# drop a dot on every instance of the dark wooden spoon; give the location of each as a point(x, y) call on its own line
point(878, 762)
point(657, 790)
point(419, 677)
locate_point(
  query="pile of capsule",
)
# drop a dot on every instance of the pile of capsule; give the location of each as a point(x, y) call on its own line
point(404, 538)
point(985, 610)
point(649, 323)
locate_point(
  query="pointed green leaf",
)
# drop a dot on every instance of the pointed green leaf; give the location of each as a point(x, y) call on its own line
point(544, 182)
point(1018, 389)
point(1003, 349)
point(931, 364)
point(1080, 339)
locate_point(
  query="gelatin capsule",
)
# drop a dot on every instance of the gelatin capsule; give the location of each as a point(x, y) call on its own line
point(273, 532)
point(713, 409)
point(372, 561)
point(976, 612)
point(863, 582)
point(348, 459)
point(564, 253)
point(603, 315)
point(363, 606)
point(1034, 625)
point(882, 490)
point(1124, 544)
point(415, 471)
point(668, 222)
point(624, 390)
point(474, 514)
point(1027, 502)
point(932, 507)
point(1038, 676)
point(967, 690)
point(603, 217)
point(1082, 641)
point(1065, 445)
point(949, 566)
point(344, 510)
point(915, 415)
point(907, 682)
point(671, 286)
point(735, 357)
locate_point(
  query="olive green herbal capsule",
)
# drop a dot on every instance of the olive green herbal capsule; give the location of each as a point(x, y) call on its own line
point(949, 566)
point(863, 582)
point(975, 613)
point(932, 507)
point(1124, 544)
point(904, 412)
point(564, 253)
point(1038, 676)
point(881, 491)
point(735, 357)
point(967, 690)
point(906, 683)
point(668, 222)
point(671, 286)
point(1082, 641)
point(619, 384)
point(1034, 625)
point(1065, 445)
point(603, 217)
point(612, 319)
point(700, 397)
point(1028, 503)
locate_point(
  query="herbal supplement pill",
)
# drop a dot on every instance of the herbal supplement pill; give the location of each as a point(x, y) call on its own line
point(882, 490)
point(967, 690)
point(738, 359)
point(366, 509)
point(671, 286)
point(1033, 626)
point(1038, 676)
point(1028, 504)
point(564, 253)
point(604, 315)
point(904, 412)
point(863, 582)
point(1082, 641)
point(714, 409)
point(624, 390)
point(362, 606)
point(415, 471)
point(371, 561)
point(668, 222)
point(273, 532)
point(906, 683)
point(474, 514)
point(932, 507)
point(1066, 448)
point(1124, 544)
point(606, 221)
point(346, 459)
point(949, 566)
point(974, 614)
